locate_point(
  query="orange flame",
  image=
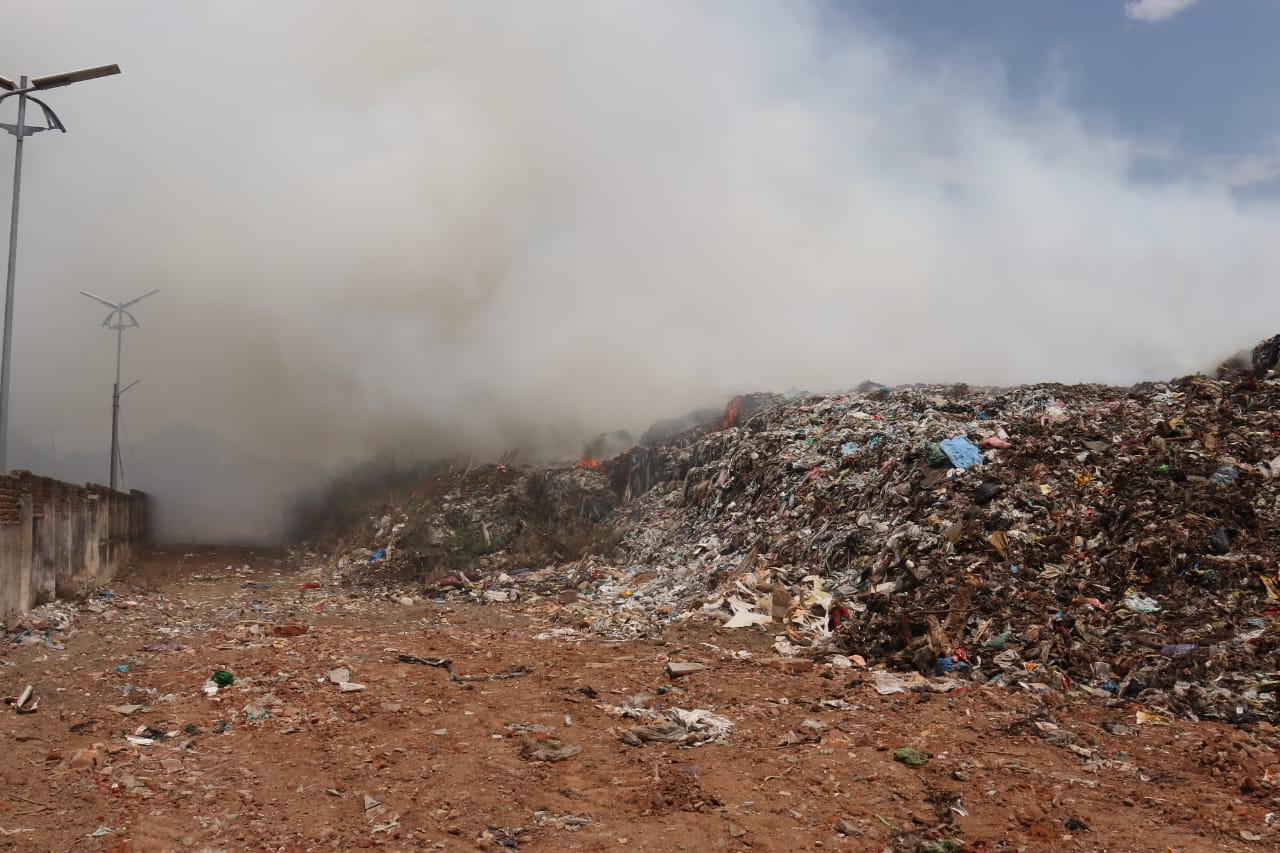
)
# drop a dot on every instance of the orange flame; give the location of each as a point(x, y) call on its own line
point(587, 462)
point(731, 413)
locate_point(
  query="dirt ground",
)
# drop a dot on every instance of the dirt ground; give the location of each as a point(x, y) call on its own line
point(285, 760)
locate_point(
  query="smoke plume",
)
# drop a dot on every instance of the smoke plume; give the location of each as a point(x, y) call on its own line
point(436, 227)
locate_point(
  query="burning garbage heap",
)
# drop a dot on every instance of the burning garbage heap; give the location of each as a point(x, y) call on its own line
point(1119, 542)
point(470, 521)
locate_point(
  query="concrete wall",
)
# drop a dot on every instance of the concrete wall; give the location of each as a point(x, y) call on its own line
point(55, 536)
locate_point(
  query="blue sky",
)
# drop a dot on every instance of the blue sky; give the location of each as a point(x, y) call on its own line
point(1195, 80)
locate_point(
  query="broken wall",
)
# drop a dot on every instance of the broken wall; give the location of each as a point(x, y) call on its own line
point(56, 536)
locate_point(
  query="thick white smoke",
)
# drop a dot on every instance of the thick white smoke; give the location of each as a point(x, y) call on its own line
point(434, 226)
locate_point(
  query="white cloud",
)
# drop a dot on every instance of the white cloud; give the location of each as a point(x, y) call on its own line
point(1155, 11)
point(1247, 170)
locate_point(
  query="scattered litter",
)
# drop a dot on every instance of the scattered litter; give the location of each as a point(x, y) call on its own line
point(535, 747)
point(910, 756)
point(676, 669)
point(687, 728)
point(569, 822)
point(26, 702)
point(1146, 718)
point(887, 683)
point(447, 665)
point(443, 663)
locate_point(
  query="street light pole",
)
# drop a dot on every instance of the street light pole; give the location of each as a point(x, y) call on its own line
point(115, 410)
point(119, 319)
point(20, 131)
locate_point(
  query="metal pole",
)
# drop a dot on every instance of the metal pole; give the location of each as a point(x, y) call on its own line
point(8, 286)
point(119, 319)
point(115, 410)
point(115, 419)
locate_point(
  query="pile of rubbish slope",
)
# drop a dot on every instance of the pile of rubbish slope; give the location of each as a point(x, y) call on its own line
point(1116, 541)
point(469, 521)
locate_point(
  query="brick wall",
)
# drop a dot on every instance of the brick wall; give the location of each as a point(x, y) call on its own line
point(55, 536)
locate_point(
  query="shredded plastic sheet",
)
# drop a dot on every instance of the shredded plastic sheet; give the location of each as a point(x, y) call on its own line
point(962, 452)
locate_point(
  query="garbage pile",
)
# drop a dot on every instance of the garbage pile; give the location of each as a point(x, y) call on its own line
point(1120, 541)
point(473, 521)
point(1115, 541)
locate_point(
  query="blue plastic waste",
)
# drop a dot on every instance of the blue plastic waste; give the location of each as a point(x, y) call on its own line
point(962, 452)
point(378, 555)
point(1225, 476)
point(950, 664)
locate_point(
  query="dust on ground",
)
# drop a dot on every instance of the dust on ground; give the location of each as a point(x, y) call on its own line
point(286, 758)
